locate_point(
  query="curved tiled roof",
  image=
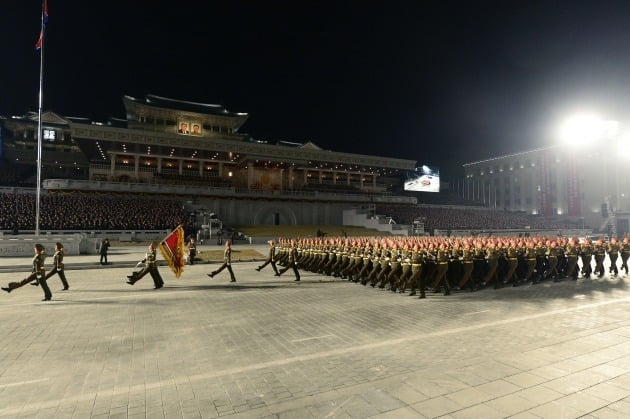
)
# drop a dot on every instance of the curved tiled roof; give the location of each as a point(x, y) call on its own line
point(184, 105)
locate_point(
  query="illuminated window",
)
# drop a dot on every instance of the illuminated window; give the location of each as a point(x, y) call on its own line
point(50, 134)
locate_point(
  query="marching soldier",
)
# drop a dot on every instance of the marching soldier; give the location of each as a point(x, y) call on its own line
point(530, 261)
point(625, 253)
point(38, 274)
point(270, 258)
point(417, 260)
point(227, 262)
point(293, 254)
point(511, 254)
point(442, 269)
point(467, 257)
point(599, 251)
point(613, 254)
point(541, 261)
point(493, 262)
point(552, 261)
point(150, 267)
point(58, 266)
point(572, 251)
point(586, 254)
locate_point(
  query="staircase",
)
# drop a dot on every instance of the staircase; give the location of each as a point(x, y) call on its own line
point(362, 218)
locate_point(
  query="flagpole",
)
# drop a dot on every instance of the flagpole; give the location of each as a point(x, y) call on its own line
point(39, 119)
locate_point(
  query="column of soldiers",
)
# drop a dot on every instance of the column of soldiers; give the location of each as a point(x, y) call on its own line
point(440, 264)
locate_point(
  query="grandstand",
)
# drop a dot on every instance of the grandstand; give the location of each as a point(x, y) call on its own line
point(146, 164)
point(216, 168)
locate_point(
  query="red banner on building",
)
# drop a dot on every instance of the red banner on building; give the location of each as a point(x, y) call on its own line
point(544, 185)
point(573, 187)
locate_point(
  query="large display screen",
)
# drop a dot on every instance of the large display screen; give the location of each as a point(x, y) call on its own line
point(423, 179)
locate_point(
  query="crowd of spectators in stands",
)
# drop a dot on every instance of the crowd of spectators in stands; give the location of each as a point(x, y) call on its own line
point(469, 219)
point(91, 212)
point(13, 175)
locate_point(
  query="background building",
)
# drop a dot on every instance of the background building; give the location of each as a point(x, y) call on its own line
point(560, 180)
point(196, 152)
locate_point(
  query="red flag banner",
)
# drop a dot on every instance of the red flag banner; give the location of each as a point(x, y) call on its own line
point(40, 39)
point(172, 249)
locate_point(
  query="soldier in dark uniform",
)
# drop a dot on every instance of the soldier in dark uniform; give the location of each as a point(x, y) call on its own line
point(572, 251)
point(270, 258)
point(467, 256)
point(385, 267)
point(530, 260)
point(454, 271)
point(58, 266)
point(396, 268)
point(599, 251)
point(429, 265)
point(625, 254)
point(442, 258)
point(366, 266)
point(293, 254)
point(479, 264)
point(192, 250)
point(102, 251)
point(150, 267)
point(375, 266)
point(541, 261)
point(37, 274)
point(493, 263)
point(552, 258)
point(227, 262)
point(586, 254)
point(405, 272)
point(613, 254)
point(417, 260)
point(511, 254)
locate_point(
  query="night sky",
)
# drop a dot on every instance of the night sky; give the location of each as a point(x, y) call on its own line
point(440, 82)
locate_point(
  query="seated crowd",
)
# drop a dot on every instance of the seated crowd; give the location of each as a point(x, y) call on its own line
point(469, 219)
point(91, 212)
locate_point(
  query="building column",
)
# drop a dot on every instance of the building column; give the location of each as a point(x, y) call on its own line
point(291, 177)
point(200, 169)
point(319, 176)
point(136, 164)
point(220, 169)
point(159, 165)
point(250, 175)
point(374, 181)
point(305, 177)
point(348, 178)
point(112, 170)
point(180, 168)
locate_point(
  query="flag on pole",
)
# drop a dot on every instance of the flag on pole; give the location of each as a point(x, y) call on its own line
point(172, 249)
point(40, 39)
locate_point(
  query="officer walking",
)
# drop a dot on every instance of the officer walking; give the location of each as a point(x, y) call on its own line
point(227, 262)
point(58, 266)
point(151, 267)
point(38, 273)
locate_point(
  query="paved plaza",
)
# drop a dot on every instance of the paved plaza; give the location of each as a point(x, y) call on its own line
point(268, 347)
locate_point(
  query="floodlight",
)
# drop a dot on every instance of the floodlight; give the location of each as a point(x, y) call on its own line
point(582, 129)
point(623, 147)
